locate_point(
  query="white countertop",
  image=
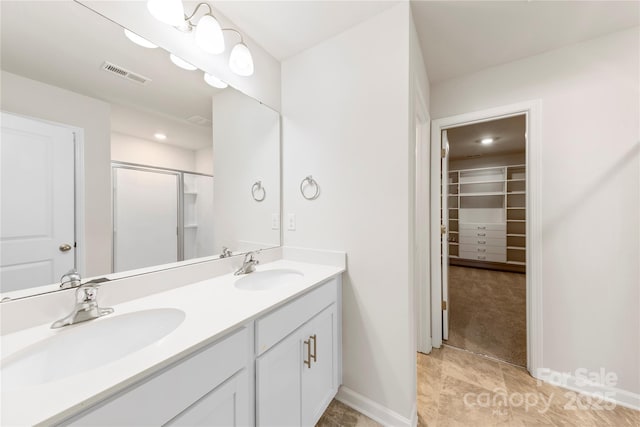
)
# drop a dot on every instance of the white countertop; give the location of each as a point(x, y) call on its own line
point(213, 307)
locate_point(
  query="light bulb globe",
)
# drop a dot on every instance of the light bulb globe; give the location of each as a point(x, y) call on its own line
point(170, 12)
point(240, 60)
point(214, 81)
point(208, 35)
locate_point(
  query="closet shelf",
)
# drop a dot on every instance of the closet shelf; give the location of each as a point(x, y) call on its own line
point(516, 262)
point(517, 248)
point(493, 181)
point(516, 235)
point(516, 207)
point(516, 220)
point(191, 226)
point(496, 193)
point(515, 192)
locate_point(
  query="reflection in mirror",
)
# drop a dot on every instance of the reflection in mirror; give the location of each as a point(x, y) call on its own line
point(113, 159)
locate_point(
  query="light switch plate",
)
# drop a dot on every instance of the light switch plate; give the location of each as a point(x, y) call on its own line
point(291, 222)
point(275, 222)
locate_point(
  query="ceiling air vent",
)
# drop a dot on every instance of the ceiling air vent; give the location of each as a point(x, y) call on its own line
point(199, 120)
point(124, 73)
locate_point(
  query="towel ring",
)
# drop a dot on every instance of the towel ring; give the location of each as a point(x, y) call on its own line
point(310, 182)
point(256, 188)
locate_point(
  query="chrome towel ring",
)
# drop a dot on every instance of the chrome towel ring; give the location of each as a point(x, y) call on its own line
point(256, 190)
point(310, 182)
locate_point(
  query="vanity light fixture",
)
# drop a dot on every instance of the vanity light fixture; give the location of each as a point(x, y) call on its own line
point(170, 12)
point(160, 136)
point(486, 141)
point(181, 63)
point(208, 34)
point(214, 81)
point(140, 41)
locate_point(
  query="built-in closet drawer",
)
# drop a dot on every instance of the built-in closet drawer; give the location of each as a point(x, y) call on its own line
point(482, 226)
point(490, 234)
point(484, 256)
point(483, 249)
point(273, 327)
point(474, 240)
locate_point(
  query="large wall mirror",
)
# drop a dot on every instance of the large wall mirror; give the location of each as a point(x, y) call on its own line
point(115, 161)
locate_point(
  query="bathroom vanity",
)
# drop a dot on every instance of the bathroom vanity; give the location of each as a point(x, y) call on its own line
point(259, 349)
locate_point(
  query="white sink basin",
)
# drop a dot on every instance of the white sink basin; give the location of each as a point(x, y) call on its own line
point(268, 279)
point(87, 345)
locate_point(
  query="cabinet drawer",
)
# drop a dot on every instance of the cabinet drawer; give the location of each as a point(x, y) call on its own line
point(157, 400)
point(275, 326)
point(483, 257)
point(490, 234)
point(473, 240)
point(484, 249)
point(482, 226)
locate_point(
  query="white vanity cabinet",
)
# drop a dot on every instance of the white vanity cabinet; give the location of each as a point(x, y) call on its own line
point(297, 368)
point(208, 388)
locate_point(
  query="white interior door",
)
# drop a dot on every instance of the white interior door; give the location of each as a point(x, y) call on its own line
point(445, 235)
point(145, 220)
point(37, 209)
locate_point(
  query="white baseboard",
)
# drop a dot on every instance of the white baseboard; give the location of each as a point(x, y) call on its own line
point(607, 393)
point(374, 410)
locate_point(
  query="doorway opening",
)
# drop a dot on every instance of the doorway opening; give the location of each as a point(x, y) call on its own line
point(523, 228)
point(484, 213)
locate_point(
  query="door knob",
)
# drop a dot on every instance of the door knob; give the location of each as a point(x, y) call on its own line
point(65, 247)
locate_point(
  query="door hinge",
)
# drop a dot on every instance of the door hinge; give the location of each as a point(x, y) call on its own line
point(444, 305)
point(443, 229)
point(443, 152)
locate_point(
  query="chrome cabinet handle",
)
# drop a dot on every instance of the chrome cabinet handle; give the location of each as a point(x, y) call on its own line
point(482, 250)
point(482, 228)
point(308, 360)
point(65, 247)
point(482, 234)
point(315, 348)
point(482, 242)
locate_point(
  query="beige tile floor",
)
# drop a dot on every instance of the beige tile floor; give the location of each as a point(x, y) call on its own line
point(458, 388)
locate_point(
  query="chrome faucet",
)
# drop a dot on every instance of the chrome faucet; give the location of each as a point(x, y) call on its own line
point(249, 263)
point(71, 279)
point(226, 253)
point(86, 307)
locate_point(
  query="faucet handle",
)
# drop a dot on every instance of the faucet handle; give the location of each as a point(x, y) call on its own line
point(86, 293)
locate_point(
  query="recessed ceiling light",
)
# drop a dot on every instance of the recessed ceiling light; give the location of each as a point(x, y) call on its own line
point(214, 81)
point(182, 63)
point(160, 136)
point(140, 41)
point(486, 141)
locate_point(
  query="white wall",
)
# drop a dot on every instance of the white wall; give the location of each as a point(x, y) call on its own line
point(590, 193)
point(346, 121)
point(204, 160)
point(35, 99)
point(246, 143)
point(127, 148)
point(263, 85)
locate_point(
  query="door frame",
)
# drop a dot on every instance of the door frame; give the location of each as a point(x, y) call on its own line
point(421, 253)
point(532, 110)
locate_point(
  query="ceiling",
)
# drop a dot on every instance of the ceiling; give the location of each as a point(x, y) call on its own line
point(65, 44)
point(508, 135)
point(457, 37)
point(286, 28)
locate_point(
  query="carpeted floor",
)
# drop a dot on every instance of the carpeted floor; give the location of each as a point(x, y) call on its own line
point(487, 313)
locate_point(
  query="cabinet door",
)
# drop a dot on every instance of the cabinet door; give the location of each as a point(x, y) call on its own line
point(319, 378)
point(278, 384)
point(225, 406)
